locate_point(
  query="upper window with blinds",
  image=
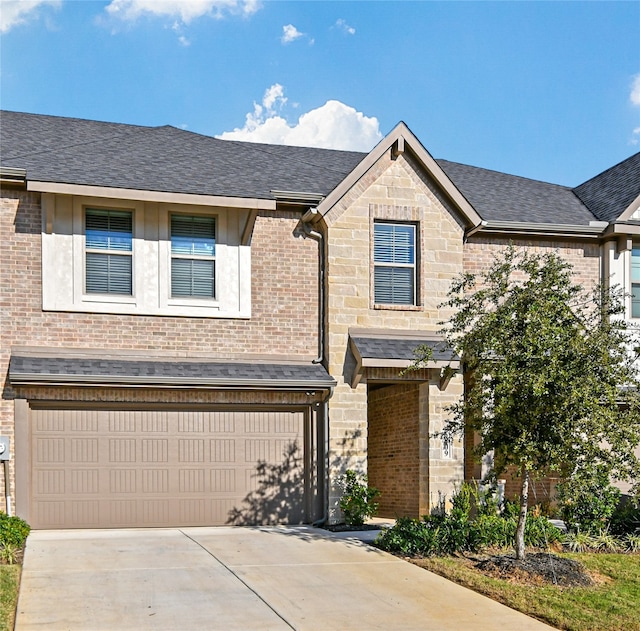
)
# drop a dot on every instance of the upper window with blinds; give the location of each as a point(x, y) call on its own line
point(108, 251)
point(394, 259)
point(193, 251)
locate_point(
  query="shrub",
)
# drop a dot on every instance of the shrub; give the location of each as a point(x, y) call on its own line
point(588, 500)
point(9, 553)
point(410, 537)
point(604, 541)
point(578, 541)
point(626, 518)
point(358, 500)
point(13, 531)
point(452, 533)
point(632, 543)
point(540, 532)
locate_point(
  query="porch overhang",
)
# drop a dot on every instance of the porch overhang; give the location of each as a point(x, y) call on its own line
point(385, 353)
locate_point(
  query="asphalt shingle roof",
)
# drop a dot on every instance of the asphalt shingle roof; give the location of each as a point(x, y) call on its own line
point(398, 348)
point(500, 197)
point(609, 194)
point(70, 369)
point(167, 159)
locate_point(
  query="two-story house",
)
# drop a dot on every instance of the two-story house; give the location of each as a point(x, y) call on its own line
point(198, 332)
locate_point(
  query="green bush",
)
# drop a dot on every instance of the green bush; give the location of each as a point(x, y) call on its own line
point(626, 518)
point(452, 533)
point(13, 531)
point(358, 499)
point(588, 500)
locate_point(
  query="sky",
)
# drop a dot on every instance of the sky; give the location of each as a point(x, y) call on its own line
point(546, 90)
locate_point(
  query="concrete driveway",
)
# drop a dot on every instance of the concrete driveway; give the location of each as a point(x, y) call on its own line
point(238, 579)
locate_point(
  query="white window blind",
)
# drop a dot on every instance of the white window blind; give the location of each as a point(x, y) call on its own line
point(394, 263)
point(108, 243)
point(193, 248)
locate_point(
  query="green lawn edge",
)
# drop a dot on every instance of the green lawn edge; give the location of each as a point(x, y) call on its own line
point(9, 586)
point(611, 605)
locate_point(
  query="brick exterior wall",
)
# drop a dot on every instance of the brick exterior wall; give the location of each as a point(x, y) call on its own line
point(480, 251)
point(393, 448)
point(284, 310)
point(585, 259)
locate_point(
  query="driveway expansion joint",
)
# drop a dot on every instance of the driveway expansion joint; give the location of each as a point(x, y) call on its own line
point(233, 573)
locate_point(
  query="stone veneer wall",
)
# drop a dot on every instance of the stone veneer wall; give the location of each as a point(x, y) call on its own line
point(283, 321)
point(392, 189)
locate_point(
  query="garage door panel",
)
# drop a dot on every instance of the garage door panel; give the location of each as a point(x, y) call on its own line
point(123, 468)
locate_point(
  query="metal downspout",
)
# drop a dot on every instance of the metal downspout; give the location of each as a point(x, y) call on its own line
point(317, 236)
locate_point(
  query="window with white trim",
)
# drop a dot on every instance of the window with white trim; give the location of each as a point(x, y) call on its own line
point(635, 281)
point(193, 250)
point(144, 258)
point(394, 262)
point(108, 251)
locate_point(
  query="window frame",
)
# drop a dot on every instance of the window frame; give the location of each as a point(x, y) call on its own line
point(108, 251)
point(64, 259)
point(415, 265)
point(193, 256)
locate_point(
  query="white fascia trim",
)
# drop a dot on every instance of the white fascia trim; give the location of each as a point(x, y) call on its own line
point(630, 210)
point(543, 229)
point(151, 196)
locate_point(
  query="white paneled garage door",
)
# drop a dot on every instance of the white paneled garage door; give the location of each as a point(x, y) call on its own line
point(139, 468)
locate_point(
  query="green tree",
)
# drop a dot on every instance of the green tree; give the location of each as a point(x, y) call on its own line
point(550, 380)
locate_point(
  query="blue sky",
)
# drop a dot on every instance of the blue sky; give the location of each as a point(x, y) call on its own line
point(547, 90)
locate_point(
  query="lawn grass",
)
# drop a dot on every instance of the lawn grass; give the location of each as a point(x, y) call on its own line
point(611, 605)
point(9, 583)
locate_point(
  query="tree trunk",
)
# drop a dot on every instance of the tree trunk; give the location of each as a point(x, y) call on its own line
point(522, 518)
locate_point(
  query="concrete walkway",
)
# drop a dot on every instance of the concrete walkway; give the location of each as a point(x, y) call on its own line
point(238, 579)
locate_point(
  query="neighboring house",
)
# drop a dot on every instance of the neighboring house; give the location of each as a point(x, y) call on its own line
point(197, 331)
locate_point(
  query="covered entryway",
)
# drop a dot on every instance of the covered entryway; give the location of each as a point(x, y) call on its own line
point(130, 467)
point(412, 466)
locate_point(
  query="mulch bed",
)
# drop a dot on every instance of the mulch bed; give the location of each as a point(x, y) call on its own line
point(537, 568)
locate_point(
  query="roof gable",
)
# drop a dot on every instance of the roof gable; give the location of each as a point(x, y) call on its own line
point(399, 140)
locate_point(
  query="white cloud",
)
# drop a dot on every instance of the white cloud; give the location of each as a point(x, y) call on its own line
point(635, 90)
point(331, 126)
point(290, 33)
point(185, 10)
point(343, 26)
point(635, 136)
point(13, 13)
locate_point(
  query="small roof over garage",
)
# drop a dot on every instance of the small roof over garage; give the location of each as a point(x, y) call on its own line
point(27, 369)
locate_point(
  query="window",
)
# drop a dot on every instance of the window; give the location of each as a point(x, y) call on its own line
point(635, 281)
point(108, 251)
point(135, 257)
point(394, 261)
point(193, 249)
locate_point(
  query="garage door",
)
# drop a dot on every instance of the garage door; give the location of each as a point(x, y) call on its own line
point(140, 468)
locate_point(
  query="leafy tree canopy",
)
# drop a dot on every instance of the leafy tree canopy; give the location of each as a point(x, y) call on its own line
point(551, 375)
